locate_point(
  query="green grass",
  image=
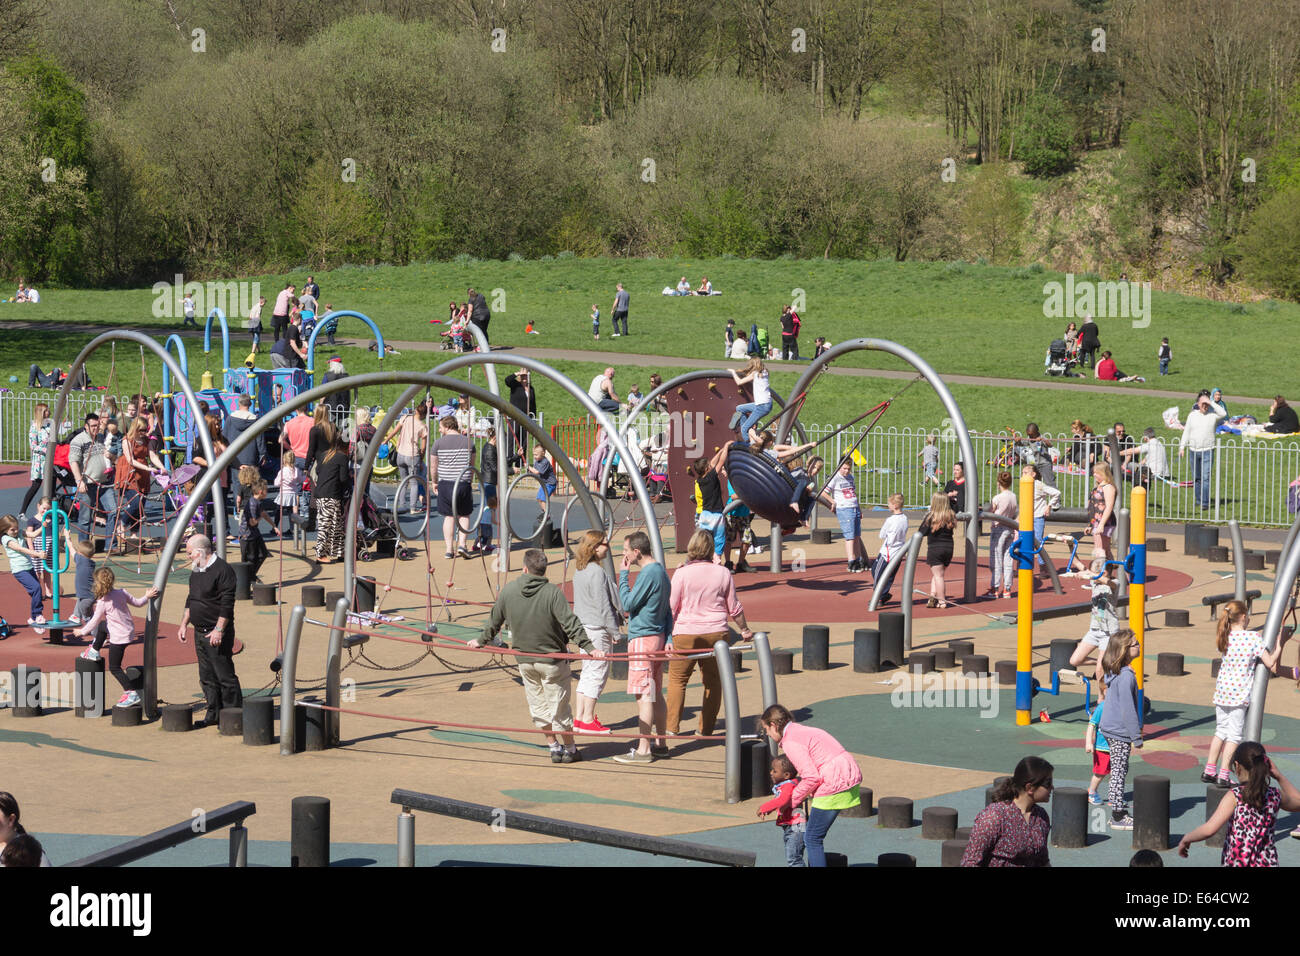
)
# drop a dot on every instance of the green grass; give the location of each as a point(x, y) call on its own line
point(962, 318)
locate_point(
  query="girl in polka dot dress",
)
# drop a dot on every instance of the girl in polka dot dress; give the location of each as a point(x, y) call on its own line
point(1240, 649)
point(1252, 808)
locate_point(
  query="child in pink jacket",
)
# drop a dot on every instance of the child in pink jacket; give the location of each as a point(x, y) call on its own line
point(827, 772)
point(113, 606)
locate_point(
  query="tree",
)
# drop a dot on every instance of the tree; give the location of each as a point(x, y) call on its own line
point(1269, 249)
point(1044, 138)
point(993, 214)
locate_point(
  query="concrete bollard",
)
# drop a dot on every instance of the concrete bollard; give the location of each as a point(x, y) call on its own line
point(1178, 617)
point(963, 833)
point(920, 662)
point(895, 813)
point(944, 657)
point(230, 722)
point(962, 648)
point(618, 668)
point(837, 859)
point(891, 637)
point(1169, 664)
point(895, 859)
point(90, 688)
point(975, 665)
point(816, 647)
point(259, 721)
point(1273, 555)
point(26, 691)
point(864, 807)
point(309, 836)
point(938, 823)
point(1061, 649)
point(866, 650)
point(1190, 531)
point(1254, 560)
point(1217, 554)
point(1157, 544)
point(755, 766)
point(177, 718)
point(1150, 812)
point(1206, 538)
point(821, 536)
point(313, 595)
point(243, 580)
point(1006, 672)
point(1070, 817)
point(365, 595)
point(332, 598)
point(1213, 794)
point(128, 716)
point(265, 595)
point(952, 851)
point(782, 662)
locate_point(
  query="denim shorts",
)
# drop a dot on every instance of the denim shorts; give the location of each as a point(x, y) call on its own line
point(850, 524)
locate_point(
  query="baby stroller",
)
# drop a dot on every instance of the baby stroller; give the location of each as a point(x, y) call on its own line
point(1059, 361)
point(376, 533)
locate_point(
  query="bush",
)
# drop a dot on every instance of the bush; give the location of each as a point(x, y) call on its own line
point(1044, 138)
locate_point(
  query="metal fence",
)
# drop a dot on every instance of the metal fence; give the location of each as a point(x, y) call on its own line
point(1250, 477)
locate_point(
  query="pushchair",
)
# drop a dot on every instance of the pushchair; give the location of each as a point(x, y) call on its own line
point(1059, 361)
point(376, 533)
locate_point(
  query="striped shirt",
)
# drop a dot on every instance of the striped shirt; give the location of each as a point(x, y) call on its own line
point(454, 453)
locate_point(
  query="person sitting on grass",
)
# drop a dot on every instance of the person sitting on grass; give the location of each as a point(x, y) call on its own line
point(1107, 371)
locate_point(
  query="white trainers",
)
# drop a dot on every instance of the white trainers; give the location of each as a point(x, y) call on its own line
point(37, 624)
point(89, 654)
point(129, 699)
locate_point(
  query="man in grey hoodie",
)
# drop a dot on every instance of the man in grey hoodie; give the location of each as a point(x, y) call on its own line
point(541, 624)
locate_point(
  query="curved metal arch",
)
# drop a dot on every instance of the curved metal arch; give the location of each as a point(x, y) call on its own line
point(595, 411)
point(225, 338)
point(334, 317)
point(950, 406)
point(61, 406)
point(1288, 568)
point(184, 362)
point(420, 381)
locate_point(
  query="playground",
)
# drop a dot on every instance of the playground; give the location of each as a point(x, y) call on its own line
point(357, 680)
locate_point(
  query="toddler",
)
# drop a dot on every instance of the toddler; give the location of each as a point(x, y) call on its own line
point(789, 818)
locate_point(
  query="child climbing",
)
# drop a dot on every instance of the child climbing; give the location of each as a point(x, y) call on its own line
point(112, 605)
point(1239, 648)
point(1102, 623)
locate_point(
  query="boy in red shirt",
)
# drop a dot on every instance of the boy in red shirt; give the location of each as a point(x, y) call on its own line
point(789, 818)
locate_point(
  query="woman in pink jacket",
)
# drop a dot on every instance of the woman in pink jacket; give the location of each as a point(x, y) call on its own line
point(703, 599)
point(827, 772)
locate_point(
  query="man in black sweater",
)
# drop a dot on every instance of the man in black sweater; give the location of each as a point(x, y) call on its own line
point(211, 608)
point(523, 397)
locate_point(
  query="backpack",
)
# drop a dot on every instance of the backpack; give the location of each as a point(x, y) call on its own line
point(5, 629)
point(794, 316)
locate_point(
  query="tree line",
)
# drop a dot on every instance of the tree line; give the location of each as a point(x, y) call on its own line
point(144, 137)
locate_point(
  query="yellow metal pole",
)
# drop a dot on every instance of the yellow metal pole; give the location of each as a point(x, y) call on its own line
point(1025, 604)
point(1138, 582)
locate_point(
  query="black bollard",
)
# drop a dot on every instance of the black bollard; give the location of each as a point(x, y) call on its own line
point(944, 657)
point(1070, 817)
point(177, 718)
point(1157, 544)
point(365, 597)
point(243, 580)
point(128, 716)
point(961, 648)
point(1217, 554)
point(895, 813)
point(1178, 617)
point(866, 650)
point(1006, 672)
point(816, 647)
point(265, 595)
point(313, 595)
point(1169, 664)
point(1190, 531)
point(315, 737)
point(891, 637)
point(89, 688)
point(755, 764)
point(618, 668)
point(1061, 649)
point(1254, 560)
point(938, 823)
point(230, 722)
point(920, 662)
point(821, 536)
point(895, 859)
point(864, 807)
point(259, 721)
point(975, 665)
point(1214, 666)
point(310, 832)
point(1206, 538)
point(1213, 794)
point(332, 599)
point(1150, 812)
point(837, 859)
point(963, 833)
point(26, 691)
point(1273, 555)
point(783, 662)
point(737, 660)
point(951, 852)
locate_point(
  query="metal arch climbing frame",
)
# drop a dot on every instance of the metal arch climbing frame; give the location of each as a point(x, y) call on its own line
point(61, 407)
point(397, 509)
point(594, 411)
point(546, 506)
point(607, 524)
point(787, 420)
point(182, 359)
point(334, 317)
point(430, 491)
point(1288, 569)
point(230, 456)
point(225, 340)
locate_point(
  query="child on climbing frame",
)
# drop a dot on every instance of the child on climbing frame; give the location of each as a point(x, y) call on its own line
point(1102, 622)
